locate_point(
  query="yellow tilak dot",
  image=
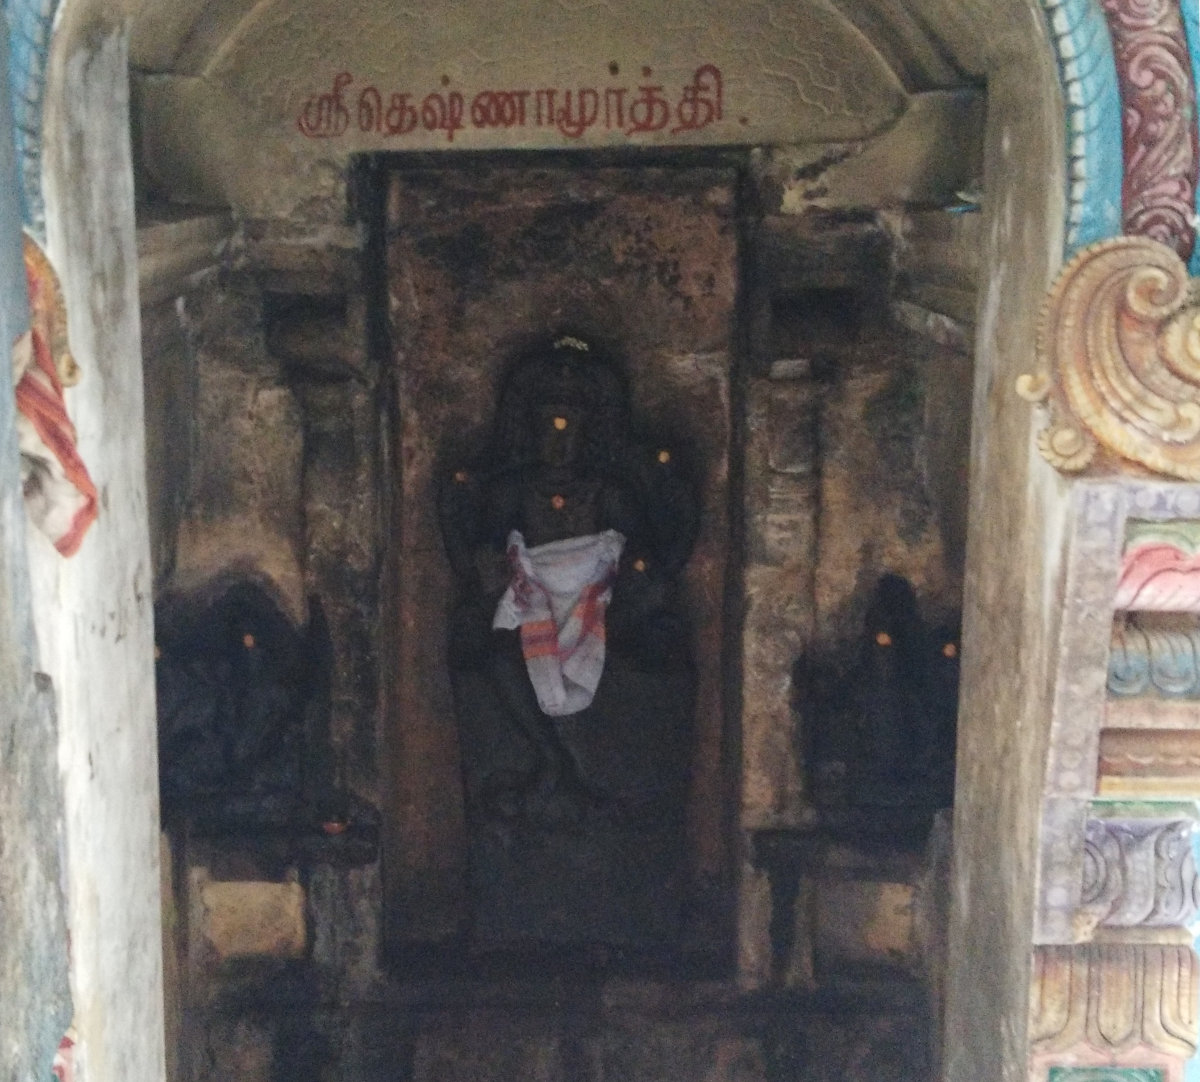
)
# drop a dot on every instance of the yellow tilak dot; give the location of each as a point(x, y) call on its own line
point(664, 456)
point(882, 638)
point(560, 423)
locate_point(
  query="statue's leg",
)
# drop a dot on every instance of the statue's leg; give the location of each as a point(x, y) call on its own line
point(554, 791)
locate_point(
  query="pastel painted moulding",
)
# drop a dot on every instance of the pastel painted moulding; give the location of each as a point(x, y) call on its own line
point(1160, 572)
point(1119, 353)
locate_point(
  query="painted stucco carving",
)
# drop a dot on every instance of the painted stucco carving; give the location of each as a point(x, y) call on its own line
point(1160, 568)
point(60, 497)
point(1158, 120)
point(1129, 75)
point(1119, 347)
point(1114, 999)
point(1106, 1074)
point(1111, 519)
point(1093, 111)
point(29, 25)
point(1149, 762)
point(1161, 662)
point(1191, 33)
point(1140, 872)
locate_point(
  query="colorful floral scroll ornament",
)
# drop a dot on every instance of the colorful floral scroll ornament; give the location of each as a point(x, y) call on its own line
point(60, 498)
point(1119, 352)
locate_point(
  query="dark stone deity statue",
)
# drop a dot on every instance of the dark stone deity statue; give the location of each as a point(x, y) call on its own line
point(571, 661)
point(881, 712)
point(233, 677)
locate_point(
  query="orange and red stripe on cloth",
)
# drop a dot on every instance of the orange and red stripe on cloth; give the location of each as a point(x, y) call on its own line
point(60, 497)
point(558, 597)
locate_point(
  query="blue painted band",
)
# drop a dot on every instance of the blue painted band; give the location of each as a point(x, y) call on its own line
point(1190, 10)
point(1093, 102)
point(30, 23)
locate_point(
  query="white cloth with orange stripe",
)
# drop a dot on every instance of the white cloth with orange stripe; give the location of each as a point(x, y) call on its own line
point(558, 597)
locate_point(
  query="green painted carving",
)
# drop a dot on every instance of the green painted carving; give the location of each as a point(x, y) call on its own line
point(1106, 1074)
point(1182, 534)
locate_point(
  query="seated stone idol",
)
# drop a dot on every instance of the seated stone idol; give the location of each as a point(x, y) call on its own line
point(569, 650)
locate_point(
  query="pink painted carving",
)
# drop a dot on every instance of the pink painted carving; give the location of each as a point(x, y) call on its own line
point(63, 1067)
point(1158, 120)
point(1158, 577)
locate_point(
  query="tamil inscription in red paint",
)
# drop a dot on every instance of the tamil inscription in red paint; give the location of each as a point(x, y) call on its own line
point(633, 111)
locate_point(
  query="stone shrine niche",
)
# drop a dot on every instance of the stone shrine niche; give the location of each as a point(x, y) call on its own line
point(571, 661)
point(531, 303)
point(235, 681)
point(882, 713)
point(243, 698)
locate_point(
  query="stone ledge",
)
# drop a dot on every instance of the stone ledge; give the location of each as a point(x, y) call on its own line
point(175, 253)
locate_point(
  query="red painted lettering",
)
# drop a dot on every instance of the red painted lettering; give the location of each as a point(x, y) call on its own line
point(701, 103)
point(543, 102)
point(614, 108)
point(370, 110)
point(401, 117)
point(574, 122)
point(443, 113)
point(649, 111)
point(325, 116)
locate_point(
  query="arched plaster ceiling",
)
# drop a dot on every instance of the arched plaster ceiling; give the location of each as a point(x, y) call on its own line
point(922, 43)
point(234, 77)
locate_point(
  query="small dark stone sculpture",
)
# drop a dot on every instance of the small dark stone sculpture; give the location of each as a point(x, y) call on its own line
point(575, 815)
point(881, 713)
point(237, 684)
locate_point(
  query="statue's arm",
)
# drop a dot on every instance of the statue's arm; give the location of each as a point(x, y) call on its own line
point(461, 518)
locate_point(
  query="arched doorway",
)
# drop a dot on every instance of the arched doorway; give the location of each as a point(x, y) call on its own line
point(1025, 202)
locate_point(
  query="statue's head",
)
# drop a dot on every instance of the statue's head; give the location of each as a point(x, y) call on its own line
point(563, 404)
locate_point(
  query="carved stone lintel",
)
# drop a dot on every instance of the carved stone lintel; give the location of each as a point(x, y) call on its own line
point(1140, 873)
point(1119, 347)
point(1113, 1002)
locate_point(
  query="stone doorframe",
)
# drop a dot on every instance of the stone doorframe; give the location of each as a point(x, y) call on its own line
point(1129, 966)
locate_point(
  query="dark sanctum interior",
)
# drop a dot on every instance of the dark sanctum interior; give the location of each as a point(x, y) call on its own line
point(583, 479)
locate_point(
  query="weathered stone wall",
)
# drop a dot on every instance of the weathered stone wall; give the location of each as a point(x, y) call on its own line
point(851, 405)
point(852, 426)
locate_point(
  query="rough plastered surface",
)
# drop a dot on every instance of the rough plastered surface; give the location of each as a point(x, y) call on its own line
point(35, 1003)
point(93, 612)
point(478, 76)
point(1012, 594)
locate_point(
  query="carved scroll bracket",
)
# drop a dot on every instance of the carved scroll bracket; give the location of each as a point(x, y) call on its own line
point(1119, 353)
